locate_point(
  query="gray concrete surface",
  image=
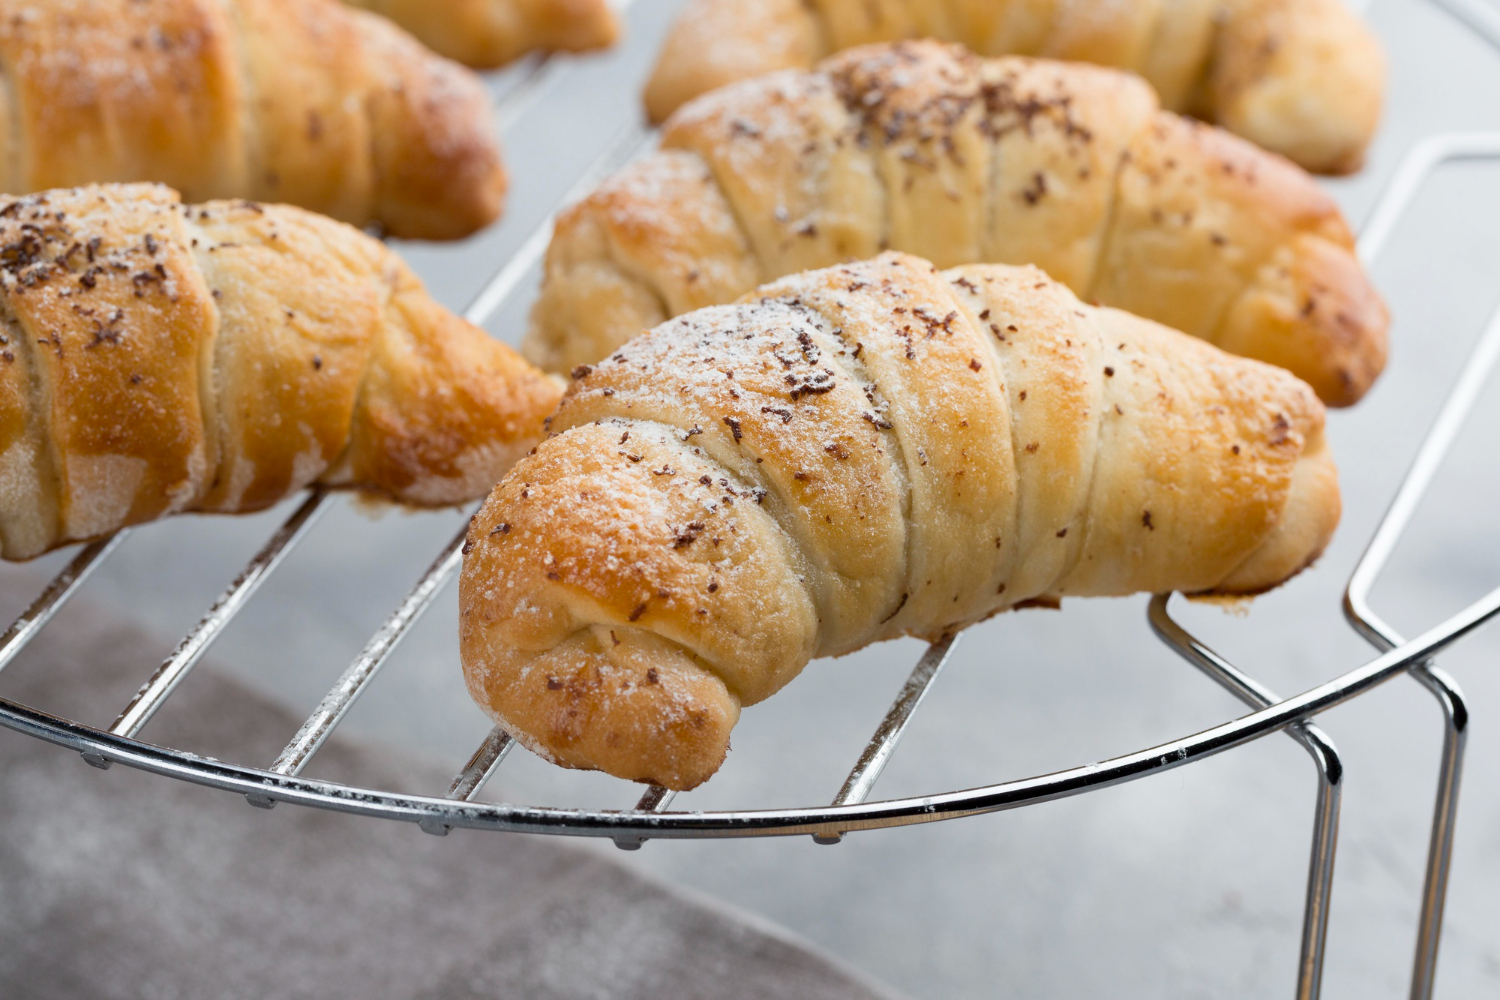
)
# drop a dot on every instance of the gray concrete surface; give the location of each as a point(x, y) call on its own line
point(1184, 885)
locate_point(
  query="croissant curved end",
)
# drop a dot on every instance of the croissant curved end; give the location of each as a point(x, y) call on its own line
point(608, 623)
point(1313, 311)
point(611, 698)
point(714, 43)
point(1303, 530)
point(677, 550)
point(1306, 80)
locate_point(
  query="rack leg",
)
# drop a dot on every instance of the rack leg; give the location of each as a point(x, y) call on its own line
point(1444, 815)
point(1330, 786)
point(1450, 773)
point(1320, 866)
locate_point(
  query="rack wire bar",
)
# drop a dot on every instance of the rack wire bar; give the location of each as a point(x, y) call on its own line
point(767, 822)
point(1424, 468)
point(358, 675)
point(481, 767)
point(55, 595)
point(882, 746)
point(1364, 619)
point(1330, 769)
point(538, 72)
point(628, 141)
point(1476, 15)
point(174, 668)
point(467, 784)
point(1407, 180)
point(1415, 167)
point(656, 799)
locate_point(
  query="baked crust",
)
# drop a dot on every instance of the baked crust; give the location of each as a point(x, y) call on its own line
point(160, 358)
point(924, 148)
point(486, 34)
point(853, 454)
point(300, 101)
point(1303, 78)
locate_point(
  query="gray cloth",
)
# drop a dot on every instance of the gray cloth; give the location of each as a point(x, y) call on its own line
point(125, 884)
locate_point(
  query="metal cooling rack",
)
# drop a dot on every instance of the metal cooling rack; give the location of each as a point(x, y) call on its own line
point(850, 810)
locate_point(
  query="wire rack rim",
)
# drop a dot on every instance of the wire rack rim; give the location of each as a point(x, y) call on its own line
point(821, 820)
point(103, 747)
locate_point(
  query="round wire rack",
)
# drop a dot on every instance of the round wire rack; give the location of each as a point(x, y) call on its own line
point(851, 810)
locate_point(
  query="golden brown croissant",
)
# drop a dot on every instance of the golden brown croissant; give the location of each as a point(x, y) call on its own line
point(157, 357)
point(849, 455)
point(489, 33)
point(924, 148)
point(1303, 78)
point(299, 101)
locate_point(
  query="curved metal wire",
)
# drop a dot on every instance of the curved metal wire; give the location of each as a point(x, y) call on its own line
point(849, 812)
point(823, 821)
point(1361, 614)
point(1406, 181)
point(1330, 770)
point(1423, 159)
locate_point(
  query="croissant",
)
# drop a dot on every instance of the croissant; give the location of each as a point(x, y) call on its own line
point(850, 455)
point(157, 358)
point(489, 33)
point(1303, 78)
point(924, 148)
point(300, 101)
